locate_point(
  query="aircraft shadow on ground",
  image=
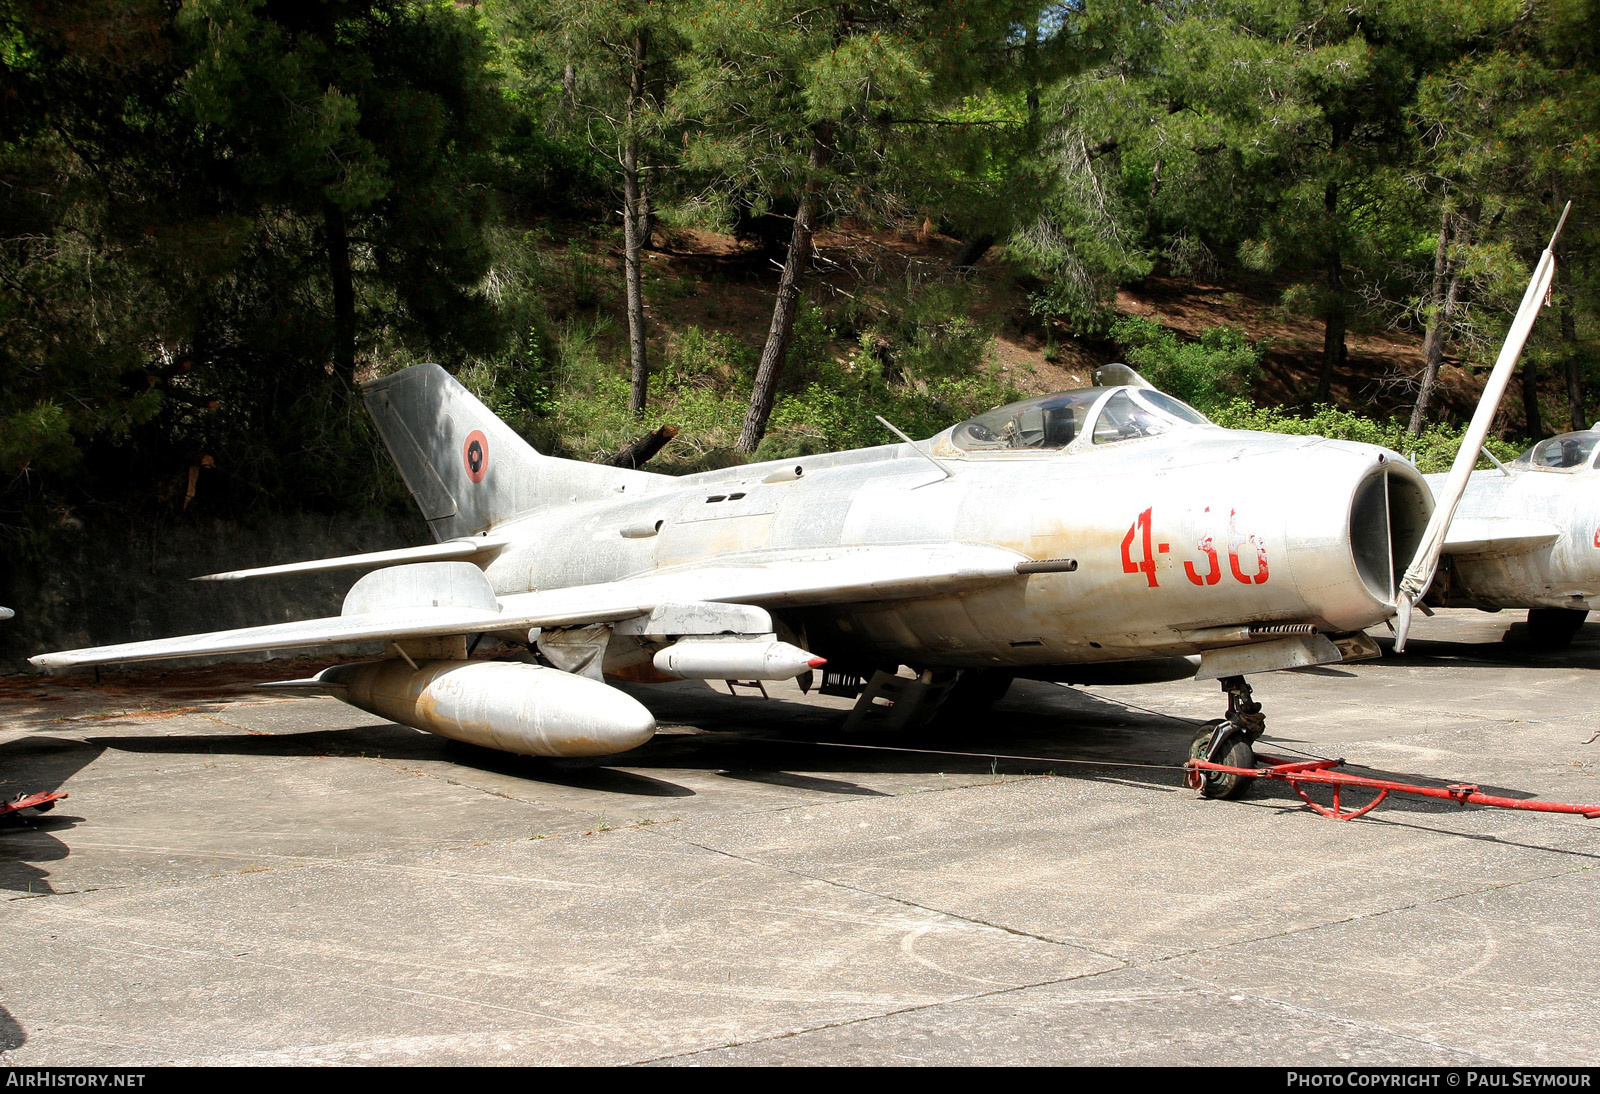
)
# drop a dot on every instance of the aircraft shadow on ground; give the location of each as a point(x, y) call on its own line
point(1038, 729)
point(1514, 651)
point(12, 1035)
point(31, 765)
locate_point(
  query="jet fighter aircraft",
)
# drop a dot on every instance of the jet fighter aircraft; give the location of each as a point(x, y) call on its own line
point(1107, 524)
point(1527, 535)
point(1104, 524)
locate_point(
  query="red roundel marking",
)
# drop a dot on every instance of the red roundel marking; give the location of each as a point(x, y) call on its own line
point(475, 455)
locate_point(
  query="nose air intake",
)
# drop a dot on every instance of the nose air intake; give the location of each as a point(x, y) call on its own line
point(1388, 513)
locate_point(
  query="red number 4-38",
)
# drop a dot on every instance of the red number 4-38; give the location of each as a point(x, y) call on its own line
point(1146, 563)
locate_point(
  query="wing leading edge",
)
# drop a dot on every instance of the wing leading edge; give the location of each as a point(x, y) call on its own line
point(1498, 536)
point(466, 547)
point(397, 604)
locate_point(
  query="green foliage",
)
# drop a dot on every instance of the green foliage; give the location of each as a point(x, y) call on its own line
point(41, 433)
point(518, 386)
point(1206, 373)
point(810, 343)
point(1084, 241)
point(199, 205)
point(701, 386)
point(953, 348)
point(1434, 449)
point(369, 119)
point(706, 359)
point(569, 70)
point(541, 170)
point(1515, 137)
point(175, 180)
point(837, 409)
point(703, 381)
point(579, 274)
point(922, 332)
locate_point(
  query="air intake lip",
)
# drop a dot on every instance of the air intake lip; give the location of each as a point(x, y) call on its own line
point(1388, 513)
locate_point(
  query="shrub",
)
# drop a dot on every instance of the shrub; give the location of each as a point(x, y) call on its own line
point(924, 332)
point(1204, 373)
point(1433, 450)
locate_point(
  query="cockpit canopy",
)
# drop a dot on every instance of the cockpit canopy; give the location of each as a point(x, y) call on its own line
point(1103, 415)
point(1566, 452)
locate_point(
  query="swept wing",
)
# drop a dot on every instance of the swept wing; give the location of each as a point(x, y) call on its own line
point(441, 599)
point(1498, 536)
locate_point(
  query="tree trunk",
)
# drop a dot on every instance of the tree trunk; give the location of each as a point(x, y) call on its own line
point(1569, 345)
point(1530, 398)
point(1576, 416)
point(344, 292)
point(633, 236)
point(640, 451)
point(647, 216)
point(1333, 347)
point(1334, 354)
point(777, 347)
point(1453, 236)
point(974, 248)
point(1433, 340)
point(1030, 53)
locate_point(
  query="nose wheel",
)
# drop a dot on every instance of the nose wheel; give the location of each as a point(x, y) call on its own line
point(1228, 741)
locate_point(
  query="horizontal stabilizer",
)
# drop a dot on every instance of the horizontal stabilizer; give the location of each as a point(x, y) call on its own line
point(465, 547)
point(1498, 536)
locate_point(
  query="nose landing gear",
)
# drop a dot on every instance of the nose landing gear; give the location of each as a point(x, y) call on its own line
point(1228, 741)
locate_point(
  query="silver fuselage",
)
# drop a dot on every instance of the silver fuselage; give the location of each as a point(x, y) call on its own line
point(1562, 574)
point(1177, 539)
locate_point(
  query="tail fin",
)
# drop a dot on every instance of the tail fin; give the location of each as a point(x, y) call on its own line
point(468, 470)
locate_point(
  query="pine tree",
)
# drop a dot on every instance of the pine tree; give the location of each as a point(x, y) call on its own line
point(832, 109)
point(617, 63)
point(1511, 138)
point(370, 119)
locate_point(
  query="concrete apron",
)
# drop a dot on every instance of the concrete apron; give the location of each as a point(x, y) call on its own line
point(242, 879)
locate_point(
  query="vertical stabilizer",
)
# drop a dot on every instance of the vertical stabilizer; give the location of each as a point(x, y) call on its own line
point(467, 469)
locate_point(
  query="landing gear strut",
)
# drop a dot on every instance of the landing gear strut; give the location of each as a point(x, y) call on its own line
point(1228, 741)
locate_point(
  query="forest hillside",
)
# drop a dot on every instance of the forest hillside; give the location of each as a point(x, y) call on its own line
point(761, 223)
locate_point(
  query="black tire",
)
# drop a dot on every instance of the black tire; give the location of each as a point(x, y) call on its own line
point(978, 689)
point(1236, 752)
point(974, 692)
point(1554, 628)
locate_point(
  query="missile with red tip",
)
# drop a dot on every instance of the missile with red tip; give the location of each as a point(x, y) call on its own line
point(763, 658)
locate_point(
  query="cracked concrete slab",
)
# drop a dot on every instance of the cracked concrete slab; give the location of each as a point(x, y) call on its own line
point(1131, 1017)
point(668, 948)
point(242, 879)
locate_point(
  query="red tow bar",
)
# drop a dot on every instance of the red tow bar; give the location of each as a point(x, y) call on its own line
point(1295, 773)
point(43, 802)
